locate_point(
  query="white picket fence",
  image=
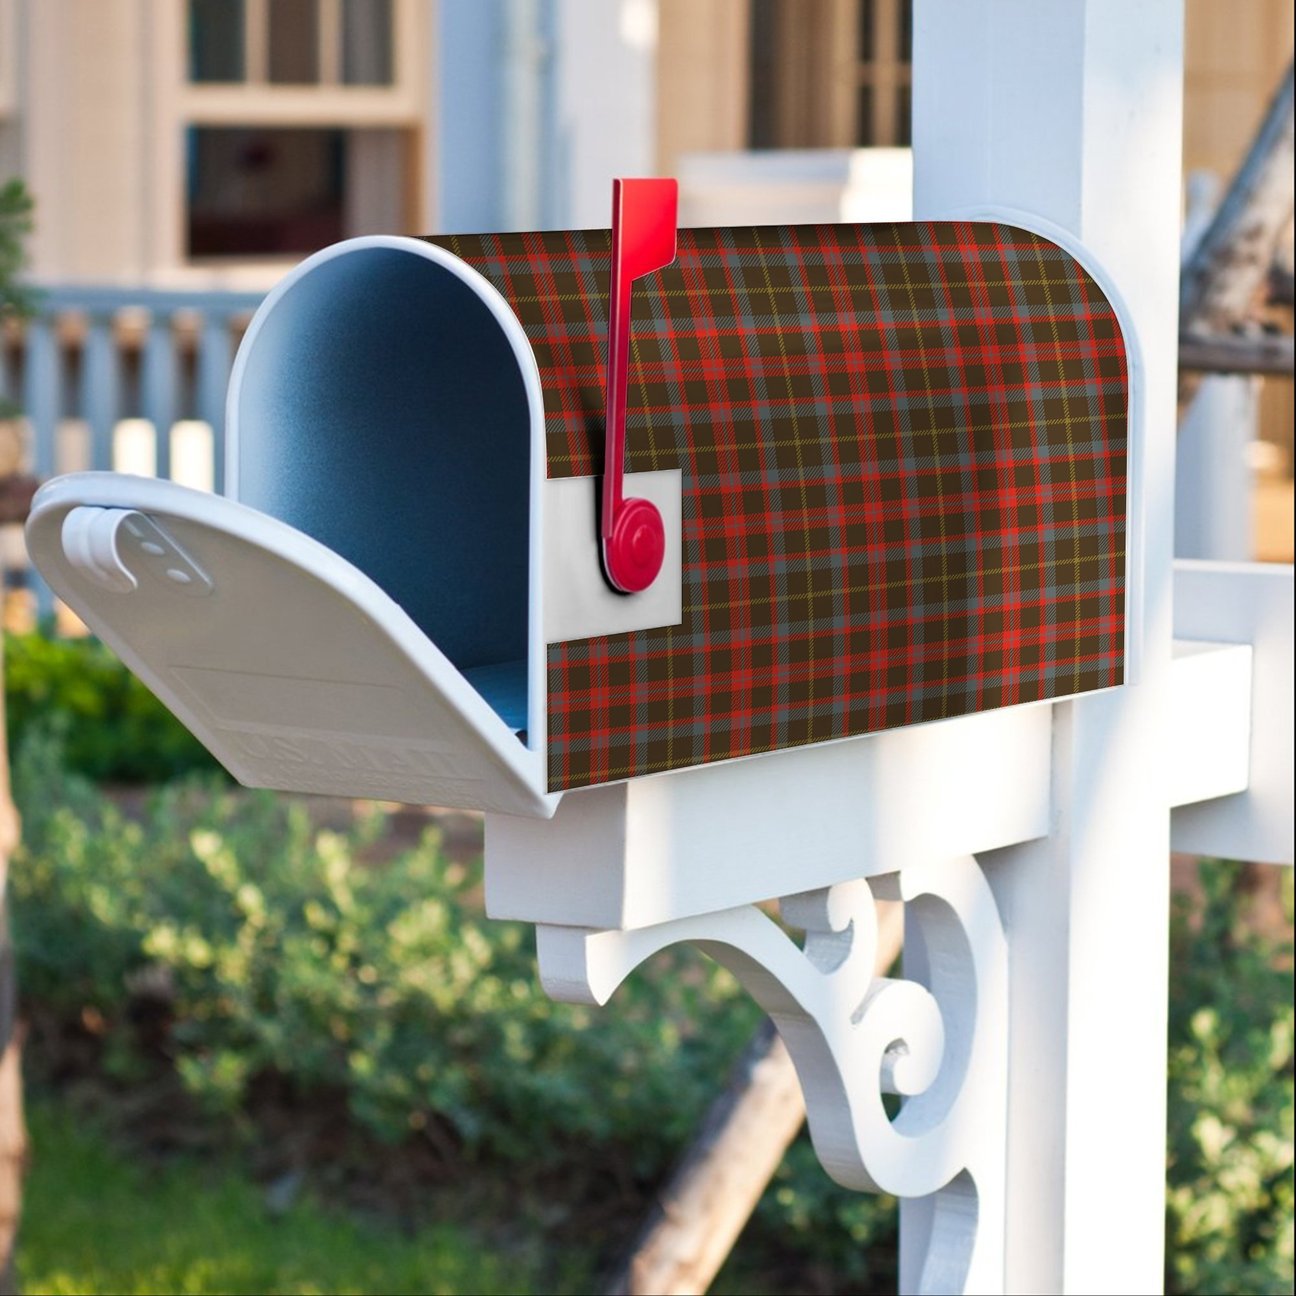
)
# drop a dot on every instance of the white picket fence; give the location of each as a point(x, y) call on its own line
point(131, 380)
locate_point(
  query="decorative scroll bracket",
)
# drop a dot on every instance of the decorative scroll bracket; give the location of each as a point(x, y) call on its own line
point(938, 1037)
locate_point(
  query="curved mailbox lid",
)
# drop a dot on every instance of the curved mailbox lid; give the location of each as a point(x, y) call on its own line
point(291, 665)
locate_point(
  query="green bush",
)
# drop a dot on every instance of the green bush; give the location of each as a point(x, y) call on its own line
point(281, 953)
point(113, 728)
point(1230, 1200)
point(847, 1240)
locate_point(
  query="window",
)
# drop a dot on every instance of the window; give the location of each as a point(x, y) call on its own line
point(293, 53)
point(830, 73)
point(276, 192)
point(296, 123)
point(366, 42)
point(291, 42)
point(216, 49)
point(264, 192)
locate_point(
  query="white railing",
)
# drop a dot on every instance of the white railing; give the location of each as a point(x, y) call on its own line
point(131, 380)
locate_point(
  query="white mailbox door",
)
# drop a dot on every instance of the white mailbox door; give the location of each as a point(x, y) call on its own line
point(287, 662)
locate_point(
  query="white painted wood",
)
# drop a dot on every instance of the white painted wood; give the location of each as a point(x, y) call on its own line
point(1246, 603)
point(291, 666)
point(1208, 744)
point(101, 116)
point(580, 602)
point(854, 1036)
point(603, 104)
point(688, 843)
point(795, 186)
point(523, 110)
point(1214, 515)
point(1072, 112)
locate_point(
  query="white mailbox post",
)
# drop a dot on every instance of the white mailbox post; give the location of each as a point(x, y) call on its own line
point(323, 635)
point(1032, 847)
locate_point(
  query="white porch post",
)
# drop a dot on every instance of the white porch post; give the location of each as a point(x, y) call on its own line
point(1072, 112)
point(604, 89)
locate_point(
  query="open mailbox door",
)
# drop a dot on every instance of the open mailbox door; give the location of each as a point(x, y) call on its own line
point(293, 667)
point(363, 619)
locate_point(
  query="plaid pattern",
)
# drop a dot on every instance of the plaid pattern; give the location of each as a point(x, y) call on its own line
point(904, 455)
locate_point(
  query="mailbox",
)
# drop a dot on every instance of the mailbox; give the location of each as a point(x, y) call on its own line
point(887, 464)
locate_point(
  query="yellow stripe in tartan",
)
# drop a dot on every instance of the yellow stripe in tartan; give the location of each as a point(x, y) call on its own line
point(873, 587)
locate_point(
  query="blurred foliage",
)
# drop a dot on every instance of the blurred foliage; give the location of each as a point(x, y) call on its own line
point(16, 206)
point(839, 1240)
point(1230, 1195)
point(112, 728)
point(15, 224)
point(279, 951)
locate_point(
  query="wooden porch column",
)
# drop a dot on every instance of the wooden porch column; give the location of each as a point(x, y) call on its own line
point(1072, 112)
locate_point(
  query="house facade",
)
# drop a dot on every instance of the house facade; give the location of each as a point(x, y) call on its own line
point(211, 143)
point(208, 143)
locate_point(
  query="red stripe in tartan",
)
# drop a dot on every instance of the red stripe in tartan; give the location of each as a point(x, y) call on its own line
point(904, 456)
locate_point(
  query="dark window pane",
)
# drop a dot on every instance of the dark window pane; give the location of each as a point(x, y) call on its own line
point(294, 42)
point(903, 116)
point(367, 42)
point(864, 116)
point(216, 40)
point(905, 51)
point(267, 192)
point(866, 31)
point(762, 54)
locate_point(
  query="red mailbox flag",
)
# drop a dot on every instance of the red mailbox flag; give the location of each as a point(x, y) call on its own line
point(644, 214)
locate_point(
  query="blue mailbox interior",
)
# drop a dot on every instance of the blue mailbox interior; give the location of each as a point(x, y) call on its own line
point(382, 411)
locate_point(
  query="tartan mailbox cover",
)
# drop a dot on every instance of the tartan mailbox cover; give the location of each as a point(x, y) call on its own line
point(903, 450)
point(892, 460)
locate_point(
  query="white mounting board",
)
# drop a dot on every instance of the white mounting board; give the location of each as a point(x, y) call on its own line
point(1247, 603)
point(579, 603)
point(1208, 754)
point(699, 840)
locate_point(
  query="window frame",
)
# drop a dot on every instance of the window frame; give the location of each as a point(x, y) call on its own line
point(255, 100)
point(886, 73)
point(180, 103)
